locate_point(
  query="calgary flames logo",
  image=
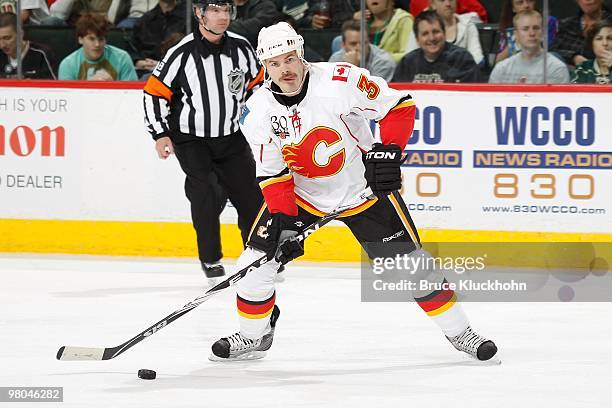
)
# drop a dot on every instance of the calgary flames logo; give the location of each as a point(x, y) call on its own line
point(300, 158)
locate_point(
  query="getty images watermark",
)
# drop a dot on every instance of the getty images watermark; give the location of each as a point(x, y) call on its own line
point(488, 272)
point(421, 264)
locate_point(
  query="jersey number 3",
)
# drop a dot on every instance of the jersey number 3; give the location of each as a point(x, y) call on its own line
point(369, 87)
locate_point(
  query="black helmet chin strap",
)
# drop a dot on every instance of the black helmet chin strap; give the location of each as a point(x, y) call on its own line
point(209, 30)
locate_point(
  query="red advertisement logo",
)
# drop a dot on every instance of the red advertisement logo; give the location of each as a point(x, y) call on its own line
point(24, 141)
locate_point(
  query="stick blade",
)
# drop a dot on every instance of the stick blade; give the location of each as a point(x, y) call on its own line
point(68, 353)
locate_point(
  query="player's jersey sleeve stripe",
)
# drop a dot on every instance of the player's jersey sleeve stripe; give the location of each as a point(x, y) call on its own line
point(279, 193)
point(272, 180)
point(403, 105)
point(397, 125)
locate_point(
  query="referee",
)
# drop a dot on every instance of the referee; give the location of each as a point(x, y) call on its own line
point(192, 104)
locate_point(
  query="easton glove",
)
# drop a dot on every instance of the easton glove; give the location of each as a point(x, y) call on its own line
point(382, 169)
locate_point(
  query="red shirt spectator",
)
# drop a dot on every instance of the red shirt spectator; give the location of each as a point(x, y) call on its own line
point(463, 6)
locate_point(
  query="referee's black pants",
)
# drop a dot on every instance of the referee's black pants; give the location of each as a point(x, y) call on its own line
point(230, 159)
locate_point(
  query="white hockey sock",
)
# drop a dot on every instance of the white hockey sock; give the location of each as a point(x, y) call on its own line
point(453, 321)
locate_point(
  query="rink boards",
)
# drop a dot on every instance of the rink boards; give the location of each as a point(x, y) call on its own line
point(79, 174)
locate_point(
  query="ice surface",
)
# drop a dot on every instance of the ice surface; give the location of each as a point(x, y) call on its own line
point(330, 350)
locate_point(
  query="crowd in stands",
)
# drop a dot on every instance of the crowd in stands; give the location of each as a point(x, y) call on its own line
point(407, 40)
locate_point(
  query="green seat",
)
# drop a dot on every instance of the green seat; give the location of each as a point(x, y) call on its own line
point(60, 40)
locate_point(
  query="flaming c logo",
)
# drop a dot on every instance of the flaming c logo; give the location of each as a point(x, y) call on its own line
point(300, 158)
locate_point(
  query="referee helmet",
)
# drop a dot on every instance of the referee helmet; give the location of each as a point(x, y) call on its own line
point(204, 4)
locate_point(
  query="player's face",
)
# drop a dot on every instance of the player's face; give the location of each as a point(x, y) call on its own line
point(522, 5)
point(93, 46)
point(445, 8)
point(218, 17)
point(8, 41)
point(287, 71)
point(602, 42)
point(431, 38)
point(528, 32)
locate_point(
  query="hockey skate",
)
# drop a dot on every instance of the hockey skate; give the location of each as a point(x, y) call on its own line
point(474, 345)
point(237, 347)
point(213, 272)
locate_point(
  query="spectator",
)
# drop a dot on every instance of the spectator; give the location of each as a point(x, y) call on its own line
point(328, 13)
point(126, 13)
point(35, 61)
point(463, 7)
point(388, 27)
point(378, 62)
point(252, 16)
point(571, 39)
point(436, 60)
point(170, 42)
point(69, 11)
point(152, 29)
point(598, 70)
point(507, 41)
point(96, 60)
point(165, 45)
point(526, 67)
point(460, 28)
point(32, 11)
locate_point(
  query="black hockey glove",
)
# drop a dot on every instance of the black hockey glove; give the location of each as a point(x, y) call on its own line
point(282, 246)
point(382, 169)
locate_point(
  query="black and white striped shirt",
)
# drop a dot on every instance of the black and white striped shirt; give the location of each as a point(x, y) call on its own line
point(199, 87)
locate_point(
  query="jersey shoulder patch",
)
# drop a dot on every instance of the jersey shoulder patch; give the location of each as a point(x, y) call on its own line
point(341, 72)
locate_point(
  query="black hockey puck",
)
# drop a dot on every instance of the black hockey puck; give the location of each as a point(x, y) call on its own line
point(146, 374)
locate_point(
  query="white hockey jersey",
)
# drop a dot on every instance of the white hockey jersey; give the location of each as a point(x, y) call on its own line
point(321, 139)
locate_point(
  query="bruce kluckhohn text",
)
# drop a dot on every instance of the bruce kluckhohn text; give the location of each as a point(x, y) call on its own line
point(463, 285)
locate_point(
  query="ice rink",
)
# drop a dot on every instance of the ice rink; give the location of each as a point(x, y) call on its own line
point(330, 349)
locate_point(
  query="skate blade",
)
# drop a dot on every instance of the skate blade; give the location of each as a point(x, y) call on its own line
point(252, 355)
point(493, 361)
point(212, 282)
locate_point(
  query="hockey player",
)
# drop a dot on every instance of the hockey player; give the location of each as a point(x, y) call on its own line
point(308, 129)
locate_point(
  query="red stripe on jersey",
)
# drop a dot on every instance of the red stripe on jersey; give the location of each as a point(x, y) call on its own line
point(279, 194)
point(396, 127)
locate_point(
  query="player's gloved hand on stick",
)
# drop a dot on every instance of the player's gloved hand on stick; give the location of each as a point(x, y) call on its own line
point(283, 246)
point(382, 169)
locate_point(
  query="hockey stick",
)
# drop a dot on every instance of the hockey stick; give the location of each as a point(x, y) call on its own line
point(99, 353)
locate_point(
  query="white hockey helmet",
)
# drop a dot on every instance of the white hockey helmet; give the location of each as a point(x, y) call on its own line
point(278, 39)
